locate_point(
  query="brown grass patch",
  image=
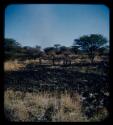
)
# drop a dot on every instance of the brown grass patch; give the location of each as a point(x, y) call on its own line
point(34, 106)
point(13, 65)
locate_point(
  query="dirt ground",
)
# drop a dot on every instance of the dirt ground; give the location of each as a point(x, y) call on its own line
point(89, 82)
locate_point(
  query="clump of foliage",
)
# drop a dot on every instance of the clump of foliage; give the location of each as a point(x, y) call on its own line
point(91, 44)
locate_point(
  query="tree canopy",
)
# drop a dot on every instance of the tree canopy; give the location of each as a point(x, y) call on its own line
point(91, 44)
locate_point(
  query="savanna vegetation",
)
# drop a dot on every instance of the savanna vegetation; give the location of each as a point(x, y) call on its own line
point(59, 83)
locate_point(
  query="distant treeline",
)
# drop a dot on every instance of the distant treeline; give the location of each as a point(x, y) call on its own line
point(89, 44)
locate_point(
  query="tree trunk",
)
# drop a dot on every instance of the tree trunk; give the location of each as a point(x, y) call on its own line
point(53, 60)
point(63, 61)
point(92, 59)
point(40, 61)
point(70, 62)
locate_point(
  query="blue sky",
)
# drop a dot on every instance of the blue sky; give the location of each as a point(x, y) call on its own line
point(48, 24)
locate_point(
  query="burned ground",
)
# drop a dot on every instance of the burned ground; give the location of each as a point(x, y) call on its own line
point(92, 85)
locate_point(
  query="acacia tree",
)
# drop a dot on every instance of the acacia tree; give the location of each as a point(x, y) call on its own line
point(11, 44)
point(51, 52)
point(74, 49)
point(103, 50)
point(66, 52)
point(91, 44)
point(38, 53)
point(12, 48)
point(57, 48)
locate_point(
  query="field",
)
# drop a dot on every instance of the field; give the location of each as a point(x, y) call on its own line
point(73, 93)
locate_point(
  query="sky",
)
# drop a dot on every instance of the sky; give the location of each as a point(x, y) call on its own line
point(49, 24)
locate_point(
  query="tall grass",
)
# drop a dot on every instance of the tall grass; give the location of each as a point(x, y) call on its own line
point(13, 65)
point(42, 106)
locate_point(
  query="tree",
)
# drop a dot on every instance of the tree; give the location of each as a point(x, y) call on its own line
point(39, 53)
point(11, 48)
point(51, 52)
point(57, 48)
point(91, 44)
point(103, 50)
point(33, 52)
point(74, 49)
point(66, 52)
point(11, 45)
point(64, 49)
point(38, 47)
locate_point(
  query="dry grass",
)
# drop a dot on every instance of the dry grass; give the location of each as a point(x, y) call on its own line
point(31, 61)
point(100, 115)
point(18, 65)
point(42, 106)
point(13, 65)
point(20, 106)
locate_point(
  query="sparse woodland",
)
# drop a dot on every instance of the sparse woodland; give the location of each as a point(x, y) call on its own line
point(59, 83)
